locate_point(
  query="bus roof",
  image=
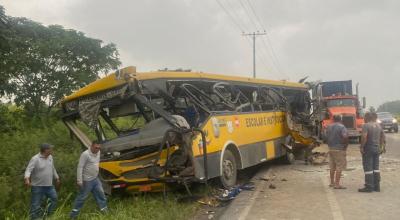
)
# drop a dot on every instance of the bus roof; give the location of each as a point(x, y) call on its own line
point(111, 80)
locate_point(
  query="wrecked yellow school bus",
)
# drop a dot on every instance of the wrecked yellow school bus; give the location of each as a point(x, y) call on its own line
point(167, 127)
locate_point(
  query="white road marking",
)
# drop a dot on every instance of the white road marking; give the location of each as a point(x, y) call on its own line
point(243, 215)
point(333, 204)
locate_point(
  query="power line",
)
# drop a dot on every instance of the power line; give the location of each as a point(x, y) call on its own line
point(245, 10)
point(238, 25)
point(275, 59)
point(256, 16)
point(230, 16)
point(257, 23)
point(254, 34)
point(264, 52)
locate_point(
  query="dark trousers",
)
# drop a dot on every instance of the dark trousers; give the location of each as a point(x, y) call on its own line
point(370, 161)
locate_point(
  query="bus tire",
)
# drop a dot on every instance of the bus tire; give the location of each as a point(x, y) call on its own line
point(228, 170)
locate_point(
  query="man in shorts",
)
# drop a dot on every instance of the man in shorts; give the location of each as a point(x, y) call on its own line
point(338, 140)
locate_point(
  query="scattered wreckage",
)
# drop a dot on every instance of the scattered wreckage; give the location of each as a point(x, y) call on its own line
point(162, 128)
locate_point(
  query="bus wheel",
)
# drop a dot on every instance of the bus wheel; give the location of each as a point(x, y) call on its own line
point(229, 170)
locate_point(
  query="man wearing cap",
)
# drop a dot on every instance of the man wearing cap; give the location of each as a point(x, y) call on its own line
point(39, 175)
point(88, 180)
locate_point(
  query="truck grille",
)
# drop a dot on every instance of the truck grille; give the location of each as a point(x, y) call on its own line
point(348, 121)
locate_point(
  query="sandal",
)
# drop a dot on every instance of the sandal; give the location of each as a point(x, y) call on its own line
point(339, 187)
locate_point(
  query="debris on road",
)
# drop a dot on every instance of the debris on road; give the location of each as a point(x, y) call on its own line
point(219, 197)
point(272, 186)
point(210, 201)
point(263, 179)
point(308, 170)
point(318, 158)
point(283, 179)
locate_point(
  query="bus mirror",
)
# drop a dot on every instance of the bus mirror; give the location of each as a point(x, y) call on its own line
point(364, 104)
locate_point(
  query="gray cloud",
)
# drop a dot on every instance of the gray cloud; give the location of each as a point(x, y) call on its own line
point(328, 40)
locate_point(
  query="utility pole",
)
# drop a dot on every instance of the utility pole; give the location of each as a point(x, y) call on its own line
point(253, 35)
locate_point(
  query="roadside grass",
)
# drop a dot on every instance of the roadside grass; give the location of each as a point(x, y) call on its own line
point(17, 149)
point(145, 206)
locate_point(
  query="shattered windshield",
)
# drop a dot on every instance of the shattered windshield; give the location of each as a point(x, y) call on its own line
point(162, 104)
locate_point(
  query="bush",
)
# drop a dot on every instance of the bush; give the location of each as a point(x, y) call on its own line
point(19, 144)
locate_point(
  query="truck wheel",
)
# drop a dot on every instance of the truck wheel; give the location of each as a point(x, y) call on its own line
point(229, 170)
point(396, 129)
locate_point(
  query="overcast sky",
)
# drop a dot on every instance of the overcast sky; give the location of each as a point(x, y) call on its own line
point(325, 40)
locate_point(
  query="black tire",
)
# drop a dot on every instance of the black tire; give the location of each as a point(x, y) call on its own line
point(396, 130)
point(228, 176)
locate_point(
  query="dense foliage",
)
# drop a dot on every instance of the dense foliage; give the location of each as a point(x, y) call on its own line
point(393, 107)
point(38, 66)
point(41, 64)
point(20, 136)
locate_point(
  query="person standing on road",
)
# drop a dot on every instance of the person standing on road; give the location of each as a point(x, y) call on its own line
point(372, 138)
point(337, 139)
point(88, 180)
point(39, 175)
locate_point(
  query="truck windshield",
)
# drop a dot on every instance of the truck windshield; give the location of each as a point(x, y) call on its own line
point(340, 102)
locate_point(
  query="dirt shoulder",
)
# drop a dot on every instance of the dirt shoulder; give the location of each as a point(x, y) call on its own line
point(301, 191)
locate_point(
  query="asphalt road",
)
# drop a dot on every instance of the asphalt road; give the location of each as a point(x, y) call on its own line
point(301, 191)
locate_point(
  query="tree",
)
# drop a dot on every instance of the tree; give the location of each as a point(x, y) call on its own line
point(4, 37)
point(393, 107)
point(44, 63)
point(372, 109)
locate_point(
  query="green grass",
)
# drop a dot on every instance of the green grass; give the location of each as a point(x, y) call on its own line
point(147, 206)
point(19, 140)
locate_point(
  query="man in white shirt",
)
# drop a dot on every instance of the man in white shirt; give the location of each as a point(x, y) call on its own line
point(88, 181)
point(39, 175)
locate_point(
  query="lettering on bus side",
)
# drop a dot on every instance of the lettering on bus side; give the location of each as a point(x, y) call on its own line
point(264, 121)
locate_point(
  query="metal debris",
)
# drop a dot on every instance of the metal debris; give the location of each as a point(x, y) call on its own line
point(210, 201)
point(318, 158)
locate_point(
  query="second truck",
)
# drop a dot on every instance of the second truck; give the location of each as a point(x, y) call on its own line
point(337, 98)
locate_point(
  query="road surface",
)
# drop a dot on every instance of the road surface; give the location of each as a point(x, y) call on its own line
point(302, 192)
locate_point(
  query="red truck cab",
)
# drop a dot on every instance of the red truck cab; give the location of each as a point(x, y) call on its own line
point(348, 107)
point(337, 98)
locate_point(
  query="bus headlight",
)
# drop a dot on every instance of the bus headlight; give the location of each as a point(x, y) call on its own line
point(379, 121)
point(394, 120)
